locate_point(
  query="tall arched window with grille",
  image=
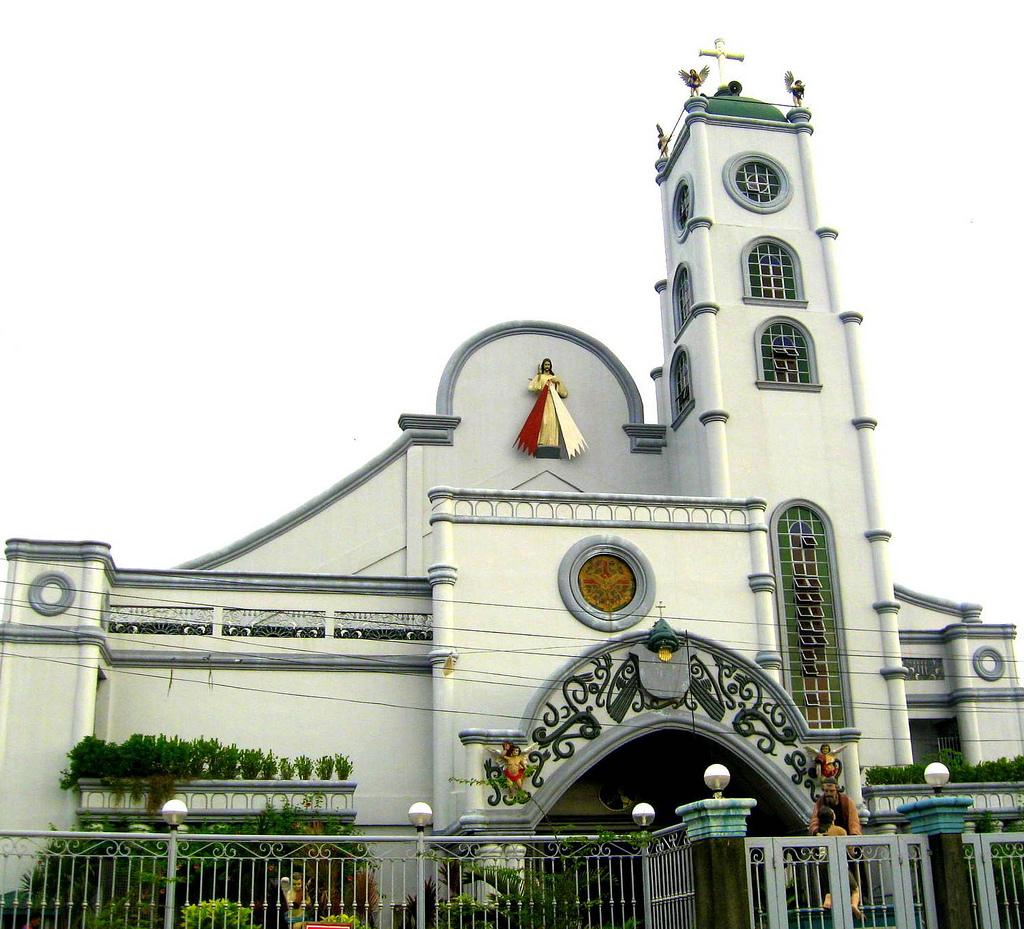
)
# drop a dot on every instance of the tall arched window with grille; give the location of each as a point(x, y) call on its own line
point(786, 356)
point(682, 297)
point(681, 385)
point(808, 600)
point(772, 272)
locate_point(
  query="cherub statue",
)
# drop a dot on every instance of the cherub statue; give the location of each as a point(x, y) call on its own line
point(827, 761)
point(693, 78)
point(663, 141)
point(796, 88)
point(513, 765)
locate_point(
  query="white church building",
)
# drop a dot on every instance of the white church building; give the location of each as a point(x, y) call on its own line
point(624, 595)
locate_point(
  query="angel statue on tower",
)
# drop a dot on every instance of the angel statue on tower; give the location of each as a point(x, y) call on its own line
point(549, 420)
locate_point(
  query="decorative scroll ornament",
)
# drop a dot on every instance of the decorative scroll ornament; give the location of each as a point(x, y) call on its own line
point(549, 424)
point(611, 687)
point(159, 620)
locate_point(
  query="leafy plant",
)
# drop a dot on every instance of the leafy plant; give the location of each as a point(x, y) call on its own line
point(285, 769)
point(324, 767)
point(224, 765)
point(216, 914)
point(268, 767)
point(342, 767)
point(304, 767)
point(1001, 770)
point(250, 760)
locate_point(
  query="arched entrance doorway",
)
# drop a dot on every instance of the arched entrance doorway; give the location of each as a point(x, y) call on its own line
point(664, 768)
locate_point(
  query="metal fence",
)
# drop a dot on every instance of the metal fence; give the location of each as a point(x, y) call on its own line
point(53, 880)
point(842, 882)
point(995, 863)
point(668, 878)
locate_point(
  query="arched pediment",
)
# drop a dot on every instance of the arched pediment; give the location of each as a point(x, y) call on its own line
point(621, 690)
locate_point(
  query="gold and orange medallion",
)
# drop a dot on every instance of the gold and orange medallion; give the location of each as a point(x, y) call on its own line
point(607, 583)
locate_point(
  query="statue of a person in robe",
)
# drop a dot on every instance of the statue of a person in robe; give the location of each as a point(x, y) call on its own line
point(549, 423)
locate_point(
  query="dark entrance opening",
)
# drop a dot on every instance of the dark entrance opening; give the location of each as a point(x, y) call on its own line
point(666, 769)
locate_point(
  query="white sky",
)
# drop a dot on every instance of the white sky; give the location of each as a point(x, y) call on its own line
point(238, 239)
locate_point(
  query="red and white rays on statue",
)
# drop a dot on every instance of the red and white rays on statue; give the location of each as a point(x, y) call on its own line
point(549, 421)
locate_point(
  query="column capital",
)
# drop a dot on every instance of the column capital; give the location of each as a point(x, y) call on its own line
point(864, 422)
point(878, 535)
point(826, 232)
point(713, 416)
point(442, 574)
point(761, 582)
point(851, 316)
point(695, 105)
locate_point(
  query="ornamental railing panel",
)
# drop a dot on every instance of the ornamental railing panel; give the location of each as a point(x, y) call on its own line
point(148, 881)
point(411, 627)
point(842, 881)
point(275, 624)
point(158, 620)
point(1001, 800)
point(995, 865)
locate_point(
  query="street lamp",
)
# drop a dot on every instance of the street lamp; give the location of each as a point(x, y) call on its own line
point(643, 815)
point(717, 777)
point(174, 813)
point(936, 775)
point(421, 815)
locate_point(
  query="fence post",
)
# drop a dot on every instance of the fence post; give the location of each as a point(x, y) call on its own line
point(645, 877)
point(941, 818)
point(421, 892)
point(170, 882)
point(716, 829)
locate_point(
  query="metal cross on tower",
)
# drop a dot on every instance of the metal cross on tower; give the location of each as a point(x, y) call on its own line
point(720, 54)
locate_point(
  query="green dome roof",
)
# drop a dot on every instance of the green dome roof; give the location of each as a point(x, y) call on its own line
point(726, 104)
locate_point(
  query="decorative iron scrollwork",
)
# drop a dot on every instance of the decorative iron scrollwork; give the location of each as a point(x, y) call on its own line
point(609, 689)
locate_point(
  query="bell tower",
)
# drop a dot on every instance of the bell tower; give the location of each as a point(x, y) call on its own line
point(761, 385)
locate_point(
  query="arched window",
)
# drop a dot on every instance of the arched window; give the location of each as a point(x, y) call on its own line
point(681, 385)
point(682, 208)
point(682, 297)
point(772, 272)
point(808, 599)
point(786, 357)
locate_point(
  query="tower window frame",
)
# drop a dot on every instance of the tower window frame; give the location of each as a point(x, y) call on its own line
point(785, 357)
point(772, 275)
point(741, 168)
point(811, 633)
point(680, 385)
point(682, 206)
point(682, 298)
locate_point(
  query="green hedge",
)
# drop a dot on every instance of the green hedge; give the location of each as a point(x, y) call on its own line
point(1000, 771)
point(148, 756)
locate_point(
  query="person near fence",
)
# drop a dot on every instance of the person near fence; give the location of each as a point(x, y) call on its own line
point(827, 827)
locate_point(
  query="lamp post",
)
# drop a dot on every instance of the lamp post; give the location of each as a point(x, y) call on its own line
point(174, 813)
point(421, 816)
point(643, 816)
point(717, 777)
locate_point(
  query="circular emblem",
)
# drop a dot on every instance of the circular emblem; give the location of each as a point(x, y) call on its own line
point(607, 583)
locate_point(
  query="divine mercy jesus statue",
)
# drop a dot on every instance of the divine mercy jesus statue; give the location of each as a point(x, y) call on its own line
point(549, 423)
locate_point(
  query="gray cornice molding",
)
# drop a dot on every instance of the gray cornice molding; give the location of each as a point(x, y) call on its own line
point(404, 664)
point(696, 104)
point(490, 736)
point(646, 438)
point(410, 437)
point(56, 635)
point(968, 612)
point(428, 421)
point(713, 416)
point(483, 493)
point(761, 581)
point(442, 574)
point(765, 301)
point(770, 124)
point(660, 286)
point(826, 232)
point(1001, 631)
point(968, 695)
point(894, 672)
point(878, 535)
point(851, 316)
point(53, 551)
point(446, 387)
point(285, 583)
point(885, 606)
point(705, 306)
point(784, 386)
point(864, 422)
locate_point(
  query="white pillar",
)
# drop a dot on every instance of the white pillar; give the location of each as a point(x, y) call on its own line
point(958, 648)
point(762, 584)
point(442, 582)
